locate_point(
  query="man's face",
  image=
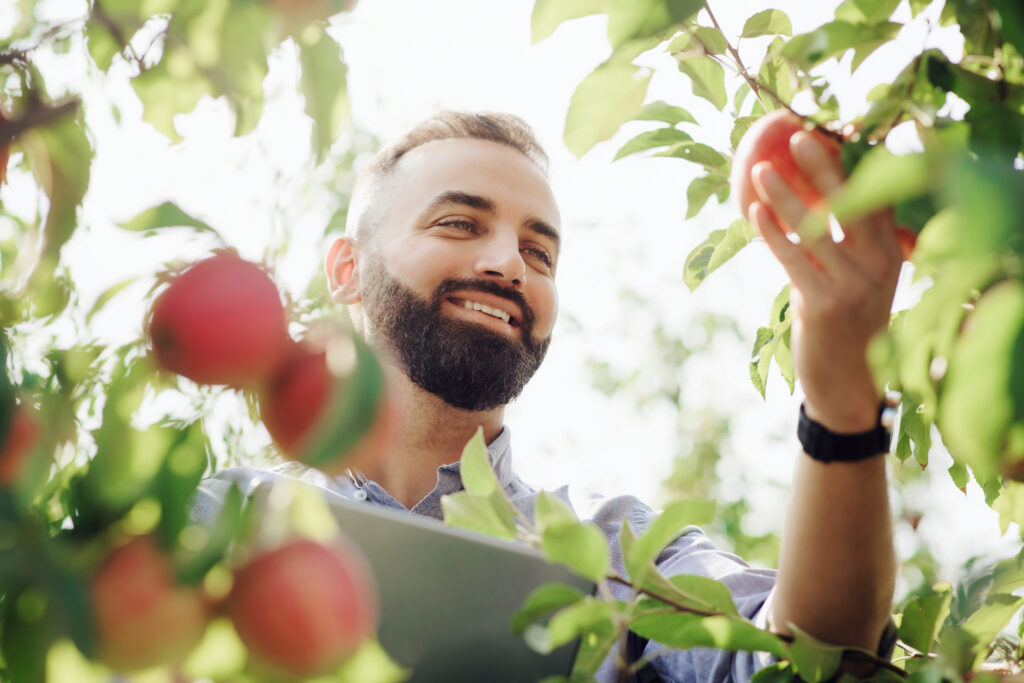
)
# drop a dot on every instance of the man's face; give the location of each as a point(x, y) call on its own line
point(460, 282)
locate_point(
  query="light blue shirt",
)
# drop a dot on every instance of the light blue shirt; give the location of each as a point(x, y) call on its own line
point(691, 553)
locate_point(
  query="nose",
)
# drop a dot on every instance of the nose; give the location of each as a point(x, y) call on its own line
point(500, 258)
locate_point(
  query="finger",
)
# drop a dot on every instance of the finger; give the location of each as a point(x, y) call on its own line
point(802, 268)
point(790, 211)
point(871, 237)
point(821, 166)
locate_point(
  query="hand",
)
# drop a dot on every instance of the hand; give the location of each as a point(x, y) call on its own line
point(841, 292)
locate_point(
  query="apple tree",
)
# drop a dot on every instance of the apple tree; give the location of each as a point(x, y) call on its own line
point(941, 144)
point(102, 443)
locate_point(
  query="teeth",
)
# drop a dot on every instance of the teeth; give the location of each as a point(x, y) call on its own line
point(496, 312)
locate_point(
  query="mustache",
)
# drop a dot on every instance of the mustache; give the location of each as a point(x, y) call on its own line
point(487, 287)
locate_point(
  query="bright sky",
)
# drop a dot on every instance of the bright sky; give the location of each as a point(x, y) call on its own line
point(623, 221)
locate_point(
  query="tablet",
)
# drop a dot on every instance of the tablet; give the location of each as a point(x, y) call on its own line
point(447, 596)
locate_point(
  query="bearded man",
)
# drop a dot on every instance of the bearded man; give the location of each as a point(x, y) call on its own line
point(448, 267)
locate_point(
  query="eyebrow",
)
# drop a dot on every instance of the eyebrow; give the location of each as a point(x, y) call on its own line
point(481, 203)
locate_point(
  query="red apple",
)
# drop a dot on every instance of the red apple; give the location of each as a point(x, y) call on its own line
point(144, 618)
point(220, 322)
point(304, 608)
point(22, 433)
point(908, 240)
point(295, 404)
point(768, 140)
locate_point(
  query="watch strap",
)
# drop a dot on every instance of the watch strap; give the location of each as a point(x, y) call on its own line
point(827, 446)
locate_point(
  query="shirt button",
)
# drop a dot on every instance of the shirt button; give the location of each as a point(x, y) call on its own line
point(360, 494)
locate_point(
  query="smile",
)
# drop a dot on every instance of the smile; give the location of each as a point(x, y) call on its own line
point(491, 311)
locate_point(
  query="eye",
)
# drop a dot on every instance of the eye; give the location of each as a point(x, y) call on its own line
point(541, 255)
point(458, 224)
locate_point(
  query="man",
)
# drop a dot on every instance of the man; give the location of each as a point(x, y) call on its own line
point(449, 266)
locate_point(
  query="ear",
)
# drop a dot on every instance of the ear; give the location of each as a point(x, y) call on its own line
point(343, 271)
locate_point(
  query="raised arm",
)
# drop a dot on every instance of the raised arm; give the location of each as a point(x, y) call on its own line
point(837, 563)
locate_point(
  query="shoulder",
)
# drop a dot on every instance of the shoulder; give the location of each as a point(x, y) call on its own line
point(254, 481)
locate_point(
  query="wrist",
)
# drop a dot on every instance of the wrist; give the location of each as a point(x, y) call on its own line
point(849, 418)
point(825, 445)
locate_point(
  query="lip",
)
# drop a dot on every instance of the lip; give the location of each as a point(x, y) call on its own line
point(458, 300)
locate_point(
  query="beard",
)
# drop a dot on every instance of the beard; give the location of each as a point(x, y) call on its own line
point(464, 364)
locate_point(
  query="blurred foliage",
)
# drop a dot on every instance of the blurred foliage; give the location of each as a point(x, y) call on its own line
point(96, 445)
point(957, 355)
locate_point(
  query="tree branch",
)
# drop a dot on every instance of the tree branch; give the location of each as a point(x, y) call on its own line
point(754, 84)
point(40, 115)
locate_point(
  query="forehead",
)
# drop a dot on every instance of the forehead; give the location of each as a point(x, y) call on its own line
point(493, 170)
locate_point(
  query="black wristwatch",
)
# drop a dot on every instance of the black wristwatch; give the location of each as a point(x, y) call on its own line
point(828, 446)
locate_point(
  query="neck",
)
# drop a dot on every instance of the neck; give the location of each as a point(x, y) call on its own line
point(430, 434)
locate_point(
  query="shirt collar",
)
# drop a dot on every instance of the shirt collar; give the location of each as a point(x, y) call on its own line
point(449, 479)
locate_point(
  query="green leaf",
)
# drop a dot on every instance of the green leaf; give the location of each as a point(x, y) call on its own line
point(700, 189)
point(633, 19)
point(60, 156)
point(773, 343)
point(165, 95)
point(698, 153)
point(552, 511)
point(659, 110)
point(697, 40)
point(584, 616)
point(714, 595)
point(608, 97)
point(707, 79)
point(767, 23)
point(835, 38)
point(107, 294)
point(916, 428)
point(1008, 575)
point(651, 139)
point(719, 247)
point(166, 215)
point(479, 513)
point(175, 483)
point(324, 86)
point(923, 617)
point(548, 14)
point(866, 11)
point(739, 128)
point(983, 391)
point(580, 546)
point(918, 6)
point(475, 466)
point(882, 179)
point(812, 659)
point(685, 631)
point(779, 75)
point(240, 49)
point(985, 624)
point(677, 519)
point(543, 600)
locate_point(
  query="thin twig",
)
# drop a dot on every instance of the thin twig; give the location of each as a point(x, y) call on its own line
point(37, 116)
point(754, 84)
point(848, 653)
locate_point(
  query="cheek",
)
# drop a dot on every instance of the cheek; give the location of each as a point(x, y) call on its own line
point(546, 311)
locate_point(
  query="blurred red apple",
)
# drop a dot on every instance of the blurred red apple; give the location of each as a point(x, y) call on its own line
point(144, 618)
point(220, 322)
point(304, 607)
point(22, 433)
point(295, 404)
point(768, 140)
